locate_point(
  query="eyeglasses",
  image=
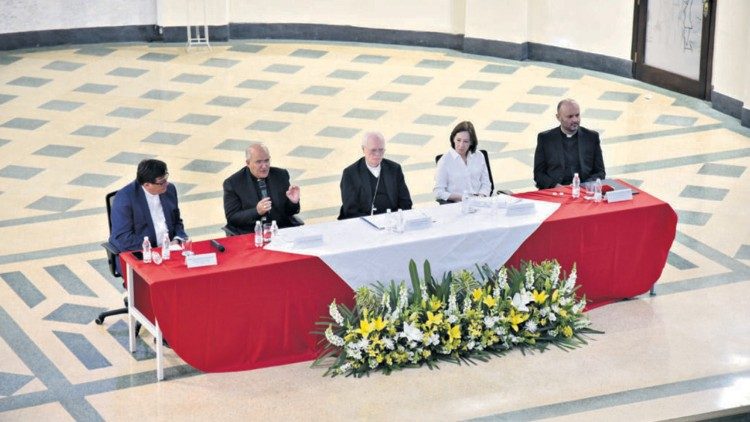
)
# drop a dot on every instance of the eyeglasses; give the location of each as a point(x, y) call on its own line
point(163, 181)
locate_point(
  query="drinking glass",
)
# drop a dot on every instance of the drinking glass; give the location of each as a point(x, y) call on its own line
point(187, 247)
point(267, 233)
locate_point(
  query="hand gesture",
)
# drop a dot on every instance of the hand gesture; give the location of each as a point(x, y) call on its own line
point(293, 193)
point(263, 206)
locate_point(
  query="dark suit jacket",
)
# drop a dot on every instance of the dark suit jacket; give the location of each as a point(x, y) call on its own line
point(549, 159)
point(357, 194)
point(241, 197)
point(131, 219)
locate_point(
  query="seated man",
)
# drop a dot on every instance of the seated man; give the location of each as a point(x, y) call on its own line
point(373, 184)
point(259, 192)
point(146, 207)
point(566, 150)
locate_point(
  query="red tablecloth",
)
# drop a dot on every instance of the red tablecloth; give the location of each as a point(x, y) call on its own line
point(256, 308)
point(620, 249)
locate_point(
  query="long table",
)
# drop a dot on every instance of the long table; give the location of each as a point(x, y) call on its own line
point(258, 307)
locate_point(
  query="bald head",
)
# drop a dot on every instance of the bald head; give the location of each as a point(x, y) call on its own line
point(258, 160)
point(569, 116)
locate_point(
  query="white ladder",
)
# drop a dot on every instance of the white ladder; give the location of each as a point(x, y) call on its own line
point(194, 36)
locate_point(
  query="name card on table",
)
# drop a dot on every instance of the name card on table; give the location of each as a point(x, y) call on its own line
point(417, 222)
point(619, 195)
point(201, 260)
point(308, 240)
point(521, 208)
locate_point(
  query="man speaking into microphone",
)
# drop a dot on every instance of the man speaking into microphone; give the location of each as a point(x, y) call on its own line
point(259, 192)
point(373, 184)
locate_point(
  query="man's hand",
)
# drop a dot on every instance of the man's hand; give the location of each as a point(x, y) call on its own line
point(293, 193)
point(263, 206)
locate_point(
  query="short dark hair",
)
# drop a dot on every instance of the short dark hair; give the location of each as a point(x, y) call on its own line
point(149, 170)
point(465, 126)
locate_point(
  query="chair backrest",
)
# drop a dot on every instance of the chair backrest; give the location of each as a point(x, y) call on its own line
point(486, 161)
point(112, 254)
point(110, 199)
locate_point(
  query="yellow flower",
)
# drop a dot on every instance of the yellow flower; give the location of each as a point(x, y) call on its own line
point(476, 294)
point(454, 333)
point(489, 301)
point(435, 303)
point(567, 331)
point(379, 324)
point(563, 313)
point(365, 328)
point(555, 295)
point(540, 297)
point(426, 353)
point(434, 319)
point(516, 318)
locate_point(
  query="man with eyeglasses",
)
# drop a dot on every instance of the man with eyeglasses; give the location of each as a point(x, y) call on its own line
point(373, 184)
point(146, 207)
point(260, 192)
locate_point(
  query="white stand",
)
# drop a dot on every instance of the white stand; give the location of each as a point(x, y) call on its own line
point(133, 315)
point(194, 36)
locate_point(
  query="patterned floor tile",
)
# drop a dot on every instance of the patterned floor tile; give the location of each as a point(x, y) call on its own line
point(119, 331)
point(308, 53)
point(247, 48)
point(268, 126)
point(129, 112)
point(492, 146)
point(94, 180)
point(531, 108)
point(301, 108)
point(19, 172)
point(30, 82)
point(412, 80)
point(410, 139)
point(4, 98)
point(479, 85)
point(601, 114)
point(24, 123)
point(62, 151)
point(191, 78)
point(161, 94)
point(60, 105)
point(693, 218)
point(222, 63)
point(157, 57)
point(679, 262)
point(310, 152)
point(549, 91)
point(130, 158)
point(338, 132)
point(726, 170)
point(625, 97)
point(24, 288)
point(63, 66)
point(183, 188)
point(370, 58)
point(227, 101)
point(327, 91)
point(499, 69)
point(95, 88)
point(127, 72)
point(83, 350)
point(461, 102)
point(704, 192)
point(69, 281)
point(205, 166)
point(353, 75)
point(74, 313)
point(95, 50)
point(6, 59)
point(53, 203)
point(434, 120)
point(95, 131)
point(366, 114)
point(571, 74)
point(198, 119)
point(10, 383)
point(256, 84)
point(743, 252)
point(166, 138)
point(390, 96)
point(435, 64)
point(506, 126)
point(234, 145)
point(288, 69)
point(671, 120)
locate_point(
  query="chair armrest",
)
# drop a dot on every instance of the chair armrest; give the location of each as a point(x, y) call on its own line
point(504, 192)
point(296, 221)
point(230, 231)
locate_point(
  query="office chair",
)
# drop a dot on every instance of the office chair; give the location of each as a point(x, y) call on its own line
point(112, 256)
point(489, 173)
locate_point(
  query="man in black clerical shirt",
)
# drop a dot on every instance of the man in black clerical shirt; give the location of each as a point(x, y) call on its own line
point(566, 150)
point(259, 192)
point(373, 184)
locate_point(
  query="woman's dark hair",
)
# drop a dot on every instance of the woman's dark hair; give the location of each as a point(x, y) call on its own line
point(149, 170)
point(465, 126)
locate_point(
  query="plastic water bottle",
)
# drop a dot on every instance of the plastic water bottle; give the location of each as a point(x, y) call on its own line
point(165, 252)
point(465, 203)
point(598, 190)
point(576, 186)
point(274, 229)
point(389, 226)
point(146, 250)
point(400, 221)
point(258, 234)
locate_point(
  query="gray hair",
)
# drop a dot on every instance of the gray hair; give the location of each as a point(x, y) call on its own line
point(372, 134)
point(249, 150)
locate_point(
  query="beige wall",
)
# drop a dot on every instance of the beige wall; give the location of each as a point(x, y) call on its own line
point(731, 65)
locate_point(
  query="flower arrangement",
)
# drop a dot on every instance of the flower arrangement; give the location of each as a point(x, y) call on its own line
point(456, 319)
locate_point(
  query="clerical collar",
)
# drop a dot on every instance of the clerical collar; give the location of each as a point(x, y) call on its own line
point(569, 136)
point(374, 170)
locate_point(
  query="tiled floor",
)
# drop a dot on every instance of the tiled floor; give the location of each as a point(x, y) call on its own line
point(74, 122)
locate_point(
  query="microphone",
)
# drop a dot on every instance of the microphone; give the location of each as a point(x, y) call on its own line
point(263, 188)
point(218, 245)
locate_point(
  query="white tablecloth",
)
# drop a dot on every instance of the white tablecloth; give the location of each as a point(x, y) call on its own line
point(361, 254)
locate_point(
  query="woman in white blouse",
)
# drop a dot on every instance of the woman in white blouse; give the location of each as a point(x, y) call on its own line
point(462, 168)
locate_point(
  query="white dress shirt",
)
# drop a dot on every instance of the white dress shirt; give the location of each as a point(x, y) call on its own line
point(157, 216)
point(455, 176)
